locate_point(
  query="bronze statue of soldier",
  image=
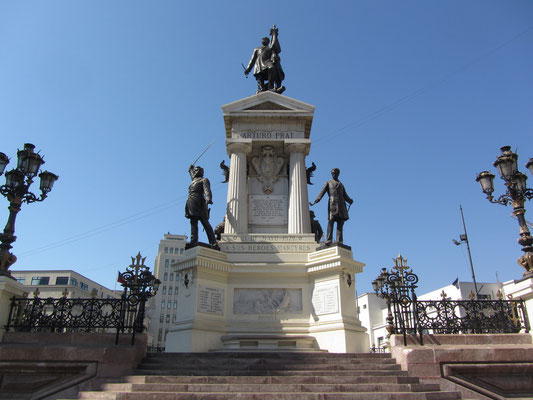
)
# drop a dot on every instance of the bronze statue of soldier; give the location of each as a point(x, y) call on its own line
point(266, 64)
point(196, 207)
point(337, 210)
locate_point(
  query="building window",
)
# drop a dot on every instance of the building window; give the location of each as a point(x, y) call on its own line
point(73, 281)
point(169, 290)
point(163, 304)
point(161, 318)
point(169, 304)
point(172, 250)
point(84, 286)
point(166, 263)
point(174, 318)
point(175, 304)
point(165, 290)
point(40, 280)
point(176, 289)
point(166, 249)
point(173, 261)
point(181, 250)
point(160, 335)
point(168, 318)
point(62, 280)
point(21, 280)
point(165, 277)
point(172, 276)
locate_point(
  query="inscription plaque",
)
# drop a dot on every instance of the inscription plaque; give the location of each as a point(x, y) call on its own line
point(277, 135)
point(210, 300)
point(267, 210)
point(326, 300)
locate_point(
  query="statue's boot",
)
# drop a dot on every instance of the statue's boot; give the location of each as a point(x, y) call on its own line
point(280, 90)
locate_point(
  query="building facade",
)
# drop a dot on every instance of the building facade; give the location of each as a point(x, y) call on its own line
point(163, 307)
point(53, 283)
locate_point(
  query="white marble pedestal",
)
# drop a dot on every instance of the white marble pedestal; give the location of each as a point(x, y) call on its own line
point(267, 292)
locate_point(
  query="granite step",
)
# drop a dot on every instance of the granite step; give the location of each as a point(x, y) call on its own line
point(269, 396)
point(259, 388)
point(249, 361)
point(267, 380)
point(266, 372)
point(279, 367)
point(279, 376)
point(268, 355)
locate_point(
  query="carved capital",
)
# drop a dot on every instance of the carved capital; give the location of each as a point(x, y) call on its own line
point(297, 147)
point(238, 147)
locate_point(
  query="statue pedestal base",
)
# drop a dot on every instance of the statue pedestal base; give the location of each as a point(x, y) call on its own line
point(273, 292)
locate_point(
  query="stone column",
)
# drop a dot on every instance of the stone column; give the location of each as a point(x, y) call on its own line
point(237, 204)
point(299, 221)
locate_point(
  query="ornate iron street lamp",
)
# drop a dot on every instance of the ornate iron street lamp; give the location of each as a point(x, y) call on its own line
point(16, 190)
point(516, 193)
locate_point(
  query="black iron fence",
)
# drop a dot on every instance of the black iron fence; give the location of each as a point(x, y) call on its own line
point(409, 316)
point(419, 317)
point(124, 315)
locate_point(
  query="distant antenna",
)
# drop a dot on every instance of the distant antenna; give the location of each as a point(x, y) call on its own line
point(464, 239)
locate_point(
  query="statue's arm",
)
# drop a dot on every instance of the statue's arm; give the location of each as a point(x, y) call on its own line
point(274, 43)
point(207, 191)
point(191, 167)
point(321, 194)
point(251, 63)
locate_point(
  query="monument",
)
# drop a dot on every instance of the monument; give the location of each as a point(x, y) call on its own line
point(270, 286)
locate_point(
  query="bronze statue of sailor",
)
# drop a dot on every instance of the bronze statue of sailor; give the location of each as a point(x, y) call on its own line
point(337, 210)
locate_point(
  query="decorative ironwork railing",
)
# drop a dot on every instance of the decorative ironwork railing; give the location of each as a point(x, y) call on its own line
point(409, 316)
point(420, 317)
point(124, 315)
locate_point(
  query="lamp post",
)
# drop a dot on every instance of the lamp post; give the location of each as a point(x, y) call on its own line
point(16, 190)
point(516, 193)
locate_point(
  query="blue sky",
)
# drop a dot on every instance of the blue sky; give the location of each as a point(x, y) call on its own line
point(413, 99)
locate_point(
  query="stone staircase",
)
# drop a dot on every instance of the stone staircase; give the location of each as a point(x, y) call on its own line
point(258, 376)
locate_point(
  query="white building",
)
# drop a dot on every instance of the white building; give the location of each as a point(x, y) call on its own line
point(373, 310)
point(52, 283)
point(163, 307)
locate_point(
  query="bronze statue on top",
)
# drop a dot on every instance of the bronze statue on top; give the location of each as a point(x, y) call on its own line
point(337, 211)
point(266, 64)
point(196, 207)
